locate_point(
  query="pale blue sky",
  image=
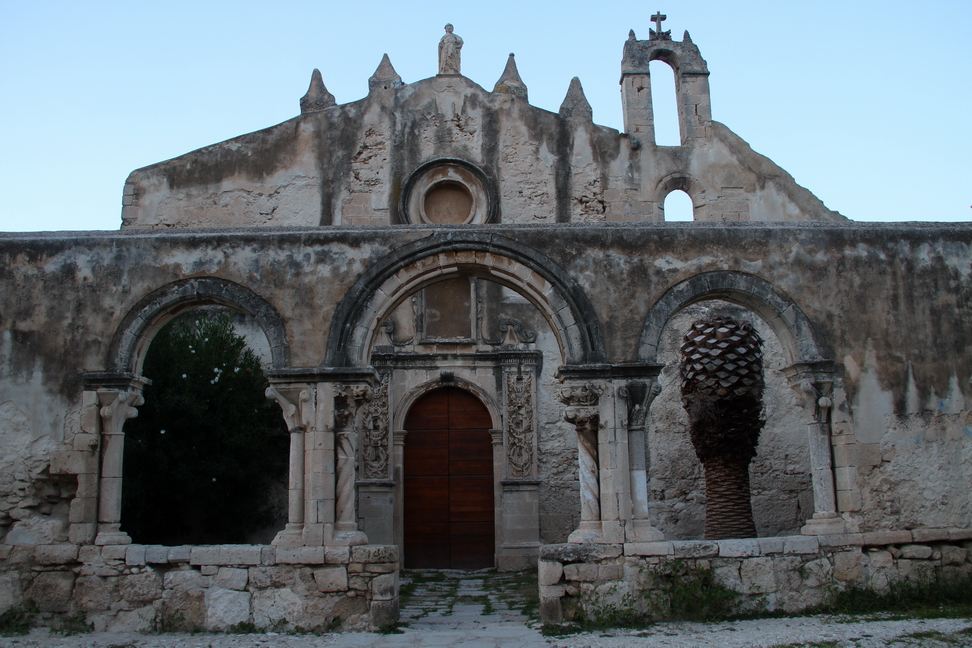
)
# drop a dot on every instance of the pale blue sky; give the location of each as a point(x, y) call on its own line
point(867, 104)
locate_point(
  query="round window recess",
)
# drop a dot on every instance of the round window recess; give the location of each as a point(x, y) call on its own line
point(447, 193)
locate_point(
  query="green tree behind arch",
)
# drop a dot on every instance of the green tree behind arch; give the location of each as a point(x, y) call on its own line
point(204, 454)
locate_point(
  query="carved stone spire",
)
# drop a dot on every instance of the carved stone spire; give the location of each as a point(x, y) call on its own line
point(576, 105)
point(385, 76)
point(317, 97)
point(510, 81)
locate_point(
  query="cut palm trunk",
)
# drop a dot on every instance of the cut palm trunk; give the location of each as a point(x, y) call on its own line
point(722, 391)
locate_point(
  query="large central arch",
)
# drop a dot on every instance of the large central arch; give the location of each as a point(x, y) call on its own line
point(384, 286)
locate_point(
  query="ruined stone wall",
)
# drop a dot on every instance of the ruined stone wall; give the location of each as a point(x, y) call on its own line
point(129, 588)
point(789, 574)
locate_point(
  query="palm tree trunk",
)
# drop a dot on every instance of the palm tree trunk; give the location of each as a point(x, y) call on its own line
point(728, 511)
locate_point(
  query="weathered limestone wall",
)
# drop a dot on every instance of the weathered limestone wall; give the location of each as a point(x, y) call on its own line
point(352, 165)
point(126, 588)
point(888, 304)
point(789, 574)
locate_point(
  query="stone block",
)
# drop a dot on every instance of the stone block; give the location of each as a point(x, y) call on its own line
point(770, 545)
point(138, 620)
point(744, 548)
point(182, 579)
point(272, 606)
point(268, 555)
point(231, 578)
point(582, 572)
point(847, 566)
point(208, 570)
point(952, 555)
point(551, 591)
point(184, 611)
point(239, 555)
point(358, 584)
point(114, 552)
point(381, 568)
point(331, 579)
point(757, 576)
point(52, 591)
point(226, 608)
point(266, 577)
point(374, 553)
point(549, 572)
point(69, 462)
point(568, 552)
point(384, 587)
point(551, 611)
point(383, 613)
point(84, 442)
point(880, 559)
point(609, 572)
point(608, 551)
point(337, 555)
point(156, 555)
point(929, 535)
point(83, 509)
point(89, 554)
point(300, 555)
point(135, 555)
point(648, 549)
point(916, 552)
point(695, 549)
point(800, 545)
point(956, 535)
point(728, 575)
point(82, 533)
point(93, 593)
point(204, 556)
point(179, 554)
point(815, 573)
point(849, 500)
point(143, 587)
point(60, 554)
point(877, 538)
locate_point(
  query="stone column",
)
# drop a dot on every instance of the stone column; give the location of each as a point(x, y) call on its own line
point(582, 411)
point(815, 387)
point(639, 396)
point(515, 459)
point(348, 400)
point(297, 403)
point(116, 408)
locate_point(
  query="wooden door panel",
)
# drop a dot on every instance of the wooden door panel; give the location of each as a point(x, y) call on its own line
point(448, 486)
point(428, 453)
point(426, 499)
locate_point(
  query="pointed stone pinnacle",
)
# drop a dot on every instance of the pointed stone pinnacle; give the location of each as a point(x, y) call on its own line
point(686, 38)
point(575, 104)
point(510, 82)
point(385, 76)
point(317, 97)
point(631, 35)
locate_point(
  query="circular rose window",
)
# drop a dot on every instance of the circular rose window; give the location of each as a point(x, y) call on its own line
point(447, 192)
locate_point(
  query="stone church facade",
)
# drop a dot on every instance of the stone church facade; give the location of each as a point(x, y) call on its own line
point(472, 309)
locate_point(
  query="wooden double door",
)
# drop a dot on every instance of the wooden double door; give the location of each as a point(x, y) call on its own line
point(448, 489)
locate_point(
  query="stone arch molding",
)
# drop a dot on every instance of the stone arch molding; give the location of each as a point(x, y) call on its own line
point(790, 324)
point(136, 331)
point(413, 395)
point(441, 256)
point(679, 181)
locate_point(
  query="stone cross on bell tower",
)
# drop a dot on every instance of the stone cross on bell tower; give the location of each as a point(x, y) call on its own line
point(657, 33)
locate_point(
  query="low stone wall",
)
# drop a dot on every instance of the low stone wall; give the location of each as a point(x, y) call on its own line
point(790, 573)
point(139, 587)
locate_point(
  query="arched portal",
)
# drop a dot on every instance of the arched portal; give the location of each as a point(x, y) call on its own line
point(448, 482)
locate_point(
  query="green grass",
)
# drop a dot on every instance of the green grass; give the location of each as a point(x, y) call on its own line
point(18, 620)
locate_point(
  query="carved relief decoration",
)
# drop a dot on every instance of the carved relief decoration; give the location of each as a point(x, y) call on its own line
point(520, 432)
point(375, 433)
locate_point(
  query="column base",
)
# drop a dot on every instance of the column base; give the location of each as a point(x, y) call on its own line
point(824, 524)
point(587, 532)
point(317, 535)
point(641, 531)
point(111, 534)
point(291, 536)
point(347, 535)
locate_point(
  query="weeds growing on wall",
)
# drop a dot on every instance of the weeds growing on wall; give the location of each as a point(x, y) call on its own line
point(18, 620)
point(932, 595)
point(676, 592)
point(207, 447)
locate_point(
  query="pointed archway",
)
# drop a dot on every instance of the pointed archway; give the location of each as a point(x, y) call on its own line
point(448, 483)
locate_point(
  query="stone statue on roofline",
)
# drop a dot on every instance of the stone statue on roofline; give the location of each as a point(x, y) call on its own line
point(449, 48)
